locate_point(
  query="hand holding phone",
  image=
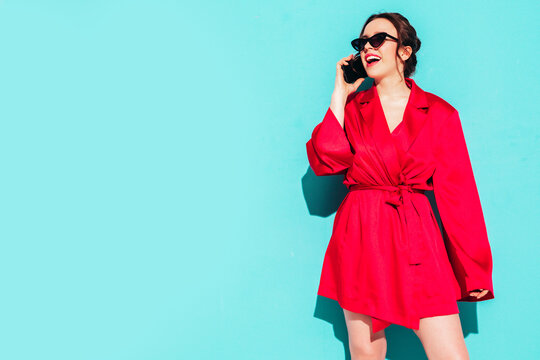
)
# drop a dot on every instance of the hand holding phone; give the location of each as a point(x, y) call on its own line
point(354, 69)
point(350, 73)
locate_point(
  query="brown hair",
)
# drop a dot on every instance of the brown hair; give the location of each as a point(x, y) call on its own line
point(406, 35)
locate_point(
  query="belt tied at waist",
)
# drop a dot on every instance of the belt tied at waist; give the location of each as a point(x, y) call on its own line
point(400, 198)
point(400, 193)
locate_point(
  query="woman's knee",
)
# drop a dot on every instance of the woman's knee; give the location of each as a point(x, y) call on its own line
point(368, 351)
point(363, 344)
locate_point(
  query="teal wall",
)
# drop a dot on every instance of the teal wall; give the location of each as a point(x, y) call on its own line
point(157, 201)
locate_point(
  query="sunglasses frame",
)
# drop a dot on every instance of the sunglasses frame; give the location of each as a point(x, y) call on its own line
point(356, 42)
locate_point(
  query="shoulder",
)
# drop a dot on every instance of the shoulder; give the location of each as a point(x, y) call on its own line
point(353, 95)
point(445, 117)
point(439, 106)
point(352, 101)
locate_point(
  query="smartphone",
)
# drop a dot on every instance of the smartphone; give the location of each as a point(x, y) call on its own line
point(354, 70)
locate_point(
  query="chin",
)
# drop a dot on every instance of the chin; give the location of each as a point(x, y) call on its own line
point(377, 75)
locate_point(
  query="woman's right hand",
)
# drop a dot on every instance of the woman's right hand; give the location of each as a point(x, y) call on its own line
point(343, 88)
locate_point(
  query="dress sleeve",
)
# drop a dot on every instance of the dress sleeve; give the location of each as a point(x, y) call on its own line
point(458, 202)
point(328, 150)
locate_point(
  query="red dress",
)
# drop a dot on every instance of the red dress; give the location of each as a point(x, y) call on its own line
point(386, 257)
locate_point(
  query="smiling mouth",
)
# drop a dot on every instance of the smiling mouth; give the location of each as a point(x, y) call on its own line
point(372, 62)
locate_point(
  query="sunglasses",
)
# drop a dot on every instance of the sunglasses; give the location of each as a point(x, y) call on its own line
point(375, 41)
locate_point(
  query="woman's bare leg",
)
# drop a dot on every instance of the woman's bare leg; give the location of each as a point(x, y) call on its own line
point(363, 344)
point(442, 338)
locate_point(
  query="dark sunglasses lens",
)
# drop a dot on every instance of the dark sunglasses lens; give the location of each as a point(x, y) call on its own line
point(377, 40)
point(358, 44)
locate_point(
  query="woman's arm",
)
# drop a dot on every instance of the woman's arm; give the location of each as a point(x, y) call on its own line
point(337, 105)
point(461, 212)
point(329, 151)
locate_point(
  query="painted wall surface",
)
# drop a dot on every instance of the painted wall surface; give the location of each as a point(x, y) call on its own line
point(156, 198)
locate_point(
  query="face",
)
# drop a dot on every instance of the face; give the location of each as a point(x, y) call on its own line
point(390, 64)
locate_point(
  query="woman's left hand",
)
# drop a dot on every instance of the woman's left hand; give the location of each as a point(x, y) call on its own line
point(478, 293)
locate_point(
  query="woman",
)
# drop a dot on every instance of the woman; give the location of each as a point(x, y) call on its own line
point(386, 261)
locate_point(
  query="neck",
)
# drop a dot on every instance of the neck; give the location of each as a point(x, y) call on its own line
point(392, 87)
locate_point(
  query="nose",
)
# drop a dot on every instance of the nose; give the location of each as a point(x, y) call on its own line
point(367, 47)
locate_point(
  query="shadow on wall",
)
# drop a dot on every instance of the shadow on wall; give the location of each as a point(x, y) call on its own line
point(323, 196)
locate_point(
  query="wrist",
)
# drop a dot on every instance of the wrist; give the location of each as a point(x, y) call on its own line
point(339, 97)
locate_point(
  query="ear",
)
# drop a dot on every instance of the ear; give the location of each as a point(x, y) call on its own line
point(405, 52)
